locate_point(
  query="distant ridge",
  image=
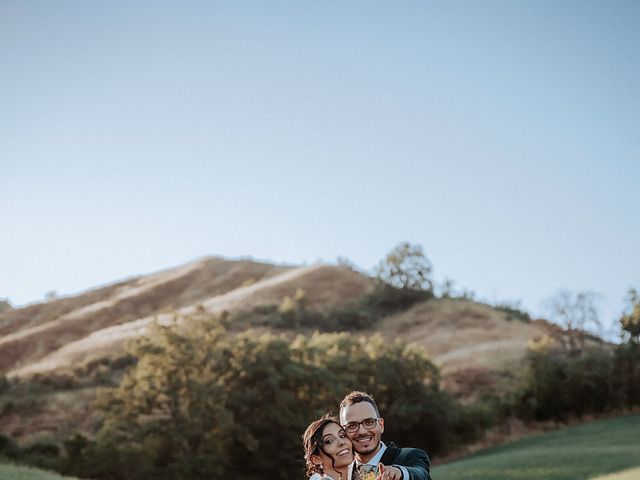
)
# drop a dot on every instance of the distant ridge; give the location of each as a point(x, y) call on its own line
point(67, 341)
point(467, 340)
point(66, 332)
point(30, 333)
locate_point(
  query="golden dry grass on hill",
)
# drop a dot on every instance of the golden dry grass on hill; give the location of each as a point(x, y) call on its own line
point(454, 331)
point(30, 334)
point(473, 344)
point(96, 324)
point(466, 339)
point(93, 329)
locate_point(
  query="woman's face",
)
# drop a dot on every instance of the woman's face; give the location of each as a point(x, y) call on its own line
point(335, 445)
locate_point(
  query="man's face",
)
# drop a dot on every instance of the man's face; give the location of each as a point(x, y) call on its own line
point(365, 441)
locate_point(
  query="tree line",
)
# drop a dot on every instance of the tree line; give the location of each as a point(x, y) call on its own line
point(198, 401)
point(201, 402)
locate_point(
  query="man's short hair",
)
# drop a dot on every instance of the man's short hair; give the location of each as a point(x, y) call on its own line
point(357, 397)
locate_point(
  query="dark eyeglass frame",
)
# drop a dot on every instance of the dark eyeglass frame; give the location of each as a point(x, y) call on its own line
point(352, 427)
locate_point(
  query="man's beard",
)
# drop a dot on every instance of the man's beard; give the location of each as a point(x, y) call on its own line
point(368, 448)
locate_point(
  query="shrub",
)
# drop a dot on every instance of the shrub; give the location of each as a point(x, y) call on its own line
point(349, 317)
point(558, 384)
point(45, 449)
point(122, 362)
point(514, 312)
point(478, 417)
point(589, 382)
point(627, 374)
point(199, 402)
point(5, 384)
point(385, 300)
point(6, 406)
point(8, 447)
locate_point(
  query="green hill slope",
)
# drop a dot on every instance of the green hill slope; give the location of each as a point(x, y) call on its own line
point(574, 453)
point(14, 472)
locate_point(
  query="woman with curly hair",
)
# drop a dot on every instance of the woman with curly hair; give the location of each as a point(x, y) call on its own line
point(328, 452)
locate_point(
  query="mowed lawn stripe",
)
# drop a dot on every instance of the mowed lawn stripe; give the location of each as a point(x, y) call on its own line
point(574, 453)
point(16, 472)
point(631, 474)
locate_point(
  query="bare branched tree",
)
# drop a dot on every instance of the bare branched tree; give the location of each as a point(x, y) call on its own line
point(576, 313)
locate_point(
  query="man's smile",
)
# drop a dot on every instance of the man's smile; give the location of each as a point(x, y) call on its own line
point(364, 440)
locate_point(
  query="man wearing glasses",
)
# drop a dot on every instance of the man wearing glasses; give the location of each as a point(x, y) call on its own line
point(361, 421)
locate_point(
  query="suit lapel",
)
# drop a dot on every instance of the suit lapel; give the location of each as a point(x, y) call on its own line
point(390, 454)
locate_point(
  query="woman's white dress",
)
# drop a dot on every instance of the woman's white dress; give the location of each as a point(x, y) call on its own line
point(317, 476)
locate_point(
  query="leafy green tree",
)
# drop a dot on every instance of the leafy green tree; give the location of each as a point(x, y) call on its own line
point(406, 267)
point(542, 394)
point(172, 405)
point(404, 278)
point(627, 374)
point(293, 310)
point(630, 322)
point(627, 354)
point(270, 396)
point(200, 402)
point(590, 381)
point(558, 384)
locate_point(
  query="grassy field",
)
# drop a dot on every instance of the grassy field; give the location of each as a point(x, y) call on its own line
point(631, 474)
point(14, 472)
point(601, 450)
point(583, 452)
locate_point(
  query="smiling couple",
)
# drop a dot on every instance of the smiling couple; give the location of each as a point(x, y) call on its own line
point(350, 448)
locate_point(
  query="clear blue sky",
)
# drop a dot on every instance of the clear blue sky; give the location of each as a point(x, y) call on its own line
point(504, 137)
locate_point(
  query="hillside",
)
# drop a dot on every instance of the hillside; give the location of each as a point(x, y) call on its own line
point(29, 334)
point(472, 343)
point(85, 334)
point(71, 331)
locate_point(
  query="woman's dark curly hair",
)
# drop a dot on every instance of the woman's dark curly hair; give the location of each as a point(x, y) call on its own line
point(312, 441)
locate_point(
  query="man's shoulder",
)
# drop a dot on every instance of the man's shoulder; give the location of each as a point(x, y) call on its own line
point(415, 460)
point(411, 449)
point(395, 454)
point(392, 447)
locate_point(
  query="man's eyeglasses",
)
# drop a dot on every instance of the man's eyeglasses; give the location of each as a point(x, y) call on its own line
point(368, 423)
